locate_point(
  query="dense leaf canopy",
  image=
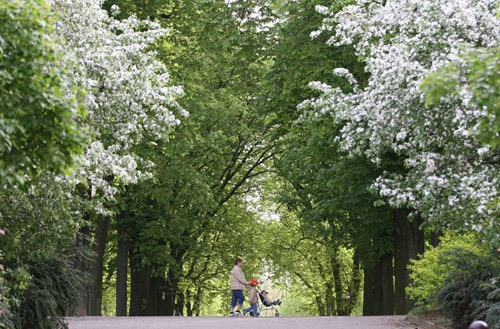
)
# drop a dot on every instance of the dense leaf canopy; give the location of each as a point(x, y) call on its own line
point(146, 144)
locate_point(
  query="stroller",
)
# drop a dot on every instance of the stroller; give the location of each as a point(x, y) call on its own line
point(266, 306)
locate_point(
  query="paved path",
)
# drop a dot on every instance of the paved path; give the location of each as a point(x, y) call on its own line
point(371, 322)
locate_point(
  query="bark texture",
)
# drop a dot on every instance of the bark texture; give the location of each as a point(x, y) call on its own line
point(97, 269)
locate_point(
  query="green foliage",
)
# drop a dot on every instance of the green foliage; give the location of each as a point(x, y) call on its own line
point(299, 59)
point(44, 217)
point(38, 253)
point(297, 304)
point(482, 80)
point(51, 290)
point(245, 66)
point(329, 211)
point(325, 188)
point(430, 272)
point(302, 262)
point(183, 223)
point(421, 309)
point(5, 313)
point(38, 115)
point(39, 134)
point(471, 292)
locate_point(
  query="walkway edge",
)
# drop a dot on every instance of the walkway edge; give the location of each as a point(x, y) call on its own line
point(422, 323)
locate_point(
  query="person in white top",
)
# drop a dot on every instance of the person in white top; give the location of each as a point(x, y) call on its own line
point(238, 285)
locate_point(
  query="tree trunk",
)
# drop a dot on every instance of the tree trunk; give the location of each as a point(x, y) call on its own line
point(401, 234)
point(82, 241)
point(189, 305)
point(379, 291)
point(387, 285)
point(135, 286)
point(436, 238)
point(408, 242)
point(153, 296)
point(179, 304)
point(121, 266)
point(418, 235)
point(97, 269)
point(369, 289)
point(355, 283)
point(339, 298)
point(197, 299)
point(139, 284)
point(321, 306)
point(171, 288)
point(319, 302)
point(330, 301)
point(162, 299)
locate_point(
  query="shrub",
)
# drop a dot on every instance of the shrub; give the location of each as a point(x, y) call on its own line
point(471, 292)
point(5, 314)
point(46, 290)
point(429, 273)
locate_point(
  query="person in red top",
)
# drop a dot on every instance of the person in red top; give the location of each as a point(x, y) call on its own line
point(252, 299)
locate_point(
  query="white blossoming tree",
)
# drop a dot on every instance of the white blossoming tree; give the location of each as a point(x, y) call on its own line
point(449, 177)
point(128, 92)
point(481, 77)
point(125, 91)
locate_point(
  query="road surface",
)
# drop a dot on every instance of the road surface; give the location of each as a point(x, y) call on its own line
point(371, 322)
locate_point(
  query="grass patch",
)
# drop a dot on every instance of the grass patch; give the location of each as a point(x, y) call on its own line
point(433, 315)
point(422, 309)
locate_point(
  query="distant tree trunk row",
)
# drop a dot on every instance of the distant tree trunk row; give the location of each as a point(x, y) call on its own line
point(154, 294)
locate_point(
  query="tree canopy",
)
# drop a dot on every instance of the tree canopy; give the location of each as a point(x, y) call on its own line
point(147, 144)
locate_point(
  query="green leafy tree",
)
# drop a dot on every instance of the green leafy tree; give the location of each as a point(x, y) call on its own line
point(326, 189)
point(217, 52)
point(40, 120)
point(40, 133)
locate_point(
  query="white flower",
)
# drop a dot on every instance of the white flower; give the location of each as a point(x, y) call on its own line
point(342, 72)
point(447, 178)
point(321, 9)
point(483, 150)
point(315, 34)
point(128, 89)
point(115, 10)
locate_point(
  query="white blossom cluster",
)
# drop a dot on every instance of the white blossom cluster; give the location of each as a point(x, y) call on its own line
point(448, 175)
point(127, 89)
point(102, 162)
